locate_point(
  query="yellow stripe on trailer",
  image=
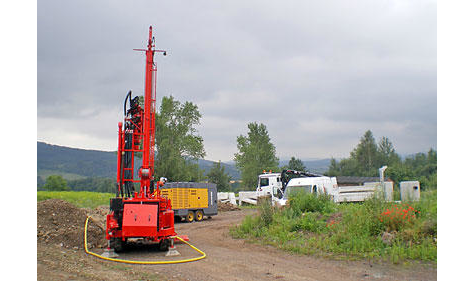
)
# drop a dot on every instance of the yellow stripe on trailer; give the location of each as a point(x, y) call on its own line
point(186, 198)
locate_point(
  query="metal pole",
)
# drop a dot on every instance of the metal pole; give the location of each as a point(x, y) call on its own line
point(381, 180)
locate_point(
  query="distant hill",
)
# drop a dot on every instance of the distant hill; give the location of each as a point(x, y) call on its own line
point(315, 166)
point(76, 164)
point(228, 168)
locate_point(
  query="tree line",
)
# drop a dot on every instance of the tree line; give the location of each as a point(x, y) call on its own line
point(179, 143)
point(58, 183)
point(368, 156)
point(179, 146)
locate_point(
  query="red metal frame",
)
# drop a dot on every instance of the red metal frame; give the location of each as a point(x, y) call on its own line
point(164, 230)
point(142, 214)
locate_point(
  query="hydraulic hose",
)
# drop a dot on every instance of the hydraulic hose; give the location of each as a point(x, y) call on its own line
point(129, 96)
point(203, 254)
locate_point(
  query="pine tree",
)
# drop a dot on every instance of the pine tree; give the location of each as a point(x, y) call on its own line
point(366, 155)
point(387, 153)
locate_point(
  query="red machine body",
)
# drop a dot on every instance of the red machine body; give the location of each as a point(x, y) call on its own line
point(141, 213)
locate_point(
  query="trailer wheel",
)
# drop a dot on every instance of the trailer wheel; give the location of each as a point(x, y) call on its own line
point(190, 217)
point(199, 215)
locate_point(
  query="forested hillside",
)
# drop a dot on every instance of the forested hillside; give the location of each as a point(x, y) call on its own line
point(74, 161)
point(92, 163)
point(90, 170)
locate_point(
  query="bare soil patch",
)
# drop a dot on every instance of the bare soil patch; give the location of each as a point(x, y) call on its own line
point(61, 223)
point(227, 258)
point(226, 207)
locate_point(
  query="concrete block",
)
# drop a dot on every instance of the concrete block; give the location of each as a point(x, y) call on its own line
point(410, 191)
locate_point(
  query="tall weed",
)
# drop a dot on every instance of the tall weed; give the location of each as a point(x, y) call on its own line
point(314, 224)
point(301, 202)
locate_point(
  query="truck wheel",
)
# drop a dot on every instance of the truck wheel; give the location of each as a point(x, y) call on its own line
point(199, 215)
point(117, 244)
point(164, 244)
point(190, 217)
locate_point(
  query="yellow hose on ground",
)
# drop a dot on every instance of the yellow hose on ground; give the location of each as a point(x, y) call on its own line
point(142, 262)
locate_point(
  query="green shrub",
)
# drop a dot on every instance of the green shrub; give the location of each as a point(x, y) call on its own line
point(315, 225)
point(248, 227)
point(302, 202)
point(266, 212)
point(313, 222)
point(56, 183)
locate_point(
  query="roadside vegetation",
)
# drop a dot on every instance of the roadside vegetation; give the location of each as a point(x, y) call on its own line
point(314, 225)
point(82, 199)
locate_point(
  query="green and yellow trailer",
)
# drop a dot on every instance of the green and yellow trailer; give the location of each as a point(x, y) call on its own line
point(191, 201)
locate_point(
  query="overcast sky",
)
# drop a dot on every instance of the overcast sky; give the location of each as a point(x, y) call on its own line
point(318, 74)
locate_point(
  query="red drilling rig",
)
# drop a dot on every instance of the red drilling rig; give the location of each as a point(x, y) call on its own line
point(139, 214)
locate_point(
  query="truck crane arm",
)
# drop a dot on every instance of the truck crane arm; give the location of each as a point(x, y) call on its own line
point(287, 175)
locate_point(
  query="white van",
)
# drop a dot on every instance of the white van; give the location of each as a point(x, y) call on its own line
point(311, 185)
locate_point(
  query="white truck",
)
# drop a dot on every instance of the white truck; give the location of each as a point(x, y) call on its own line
point(276, 184)
point(320, 184)
point(339, 194)
point(269, 184)
point(279, 185)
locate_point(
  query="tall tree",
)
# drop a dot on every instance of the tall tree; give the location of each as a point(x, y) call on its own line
point(255, 153)
point(218, 176)
point(366, 154)
point(432, 156)
point(366, 158)
point(296, 164)
point(334, 169)
point(387, 153)
point(177, 141)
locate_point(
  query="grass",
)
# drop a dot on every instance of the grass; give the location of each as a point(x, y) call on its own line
point(314, 225)
point(248, 206)
point(82, 199)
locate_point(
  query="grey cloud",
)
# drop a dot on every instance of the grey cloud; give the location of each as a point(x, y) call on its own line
point(318, 74)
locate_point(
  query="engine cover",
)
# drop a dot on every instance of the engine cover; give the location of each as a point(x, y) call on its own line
point(140, 220)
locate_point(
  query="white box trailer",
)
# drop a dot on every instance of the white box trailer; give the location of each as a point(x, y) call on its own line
point(367, 190)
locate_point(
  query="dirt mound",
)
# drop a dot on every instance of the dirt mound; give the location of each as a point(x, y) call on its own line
point(224, 207)
point(61, 223)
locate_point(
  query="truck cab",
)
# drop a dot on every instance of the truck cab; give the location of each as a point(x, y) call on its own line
point(269, 184)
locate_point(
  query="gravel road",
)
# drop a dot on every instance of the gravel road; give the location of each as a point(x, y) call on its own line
point(227, 259)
